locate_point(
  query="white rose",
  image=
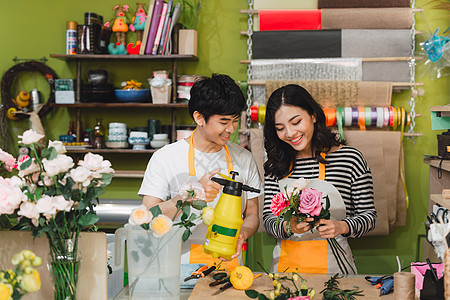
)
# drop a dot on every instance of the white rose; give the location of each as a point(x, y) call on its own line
point(10, 197)
point(81, 175)
point(48, 181)
point(30, 136)
point(29, 210)
point(140, 215)
point(297, 186)
point(46, 207)
point(58, 145)
point(61, 163)
point(7, 159)
point(16, 181)
point(65, 161)
point(161, 225)
point(92, 161)
point(60, 203)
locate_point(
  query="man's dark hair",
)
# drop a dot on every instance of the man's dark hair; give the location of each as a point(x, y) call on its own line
point(218, 95)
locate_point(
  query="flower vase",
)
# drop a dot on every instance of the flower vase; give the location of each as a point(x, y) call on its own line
point(153, 262)
point(64, 263)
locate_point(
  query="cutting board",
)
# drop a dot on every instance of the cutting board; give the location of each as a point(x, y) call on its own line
point(92, 280)
point(263, 284)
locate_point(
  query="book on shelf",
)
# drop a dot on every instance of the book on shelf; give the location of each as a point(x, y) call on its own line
point(174, 20)
point(163, 51)
point(164, 28)
point(154, 26)
point(148, 20)
point(160, 27)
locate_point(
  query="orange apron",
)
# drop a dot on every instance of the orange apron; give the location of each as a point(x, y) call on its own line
point(197, 254)
point(308, 252)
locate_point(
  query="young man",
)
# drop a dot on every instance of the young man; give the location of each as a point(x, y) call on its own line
point(215, 106)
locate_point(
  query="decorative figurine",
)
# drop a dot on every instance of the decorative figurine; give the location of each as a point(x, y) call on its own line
point(137, 24)
point(120, 27)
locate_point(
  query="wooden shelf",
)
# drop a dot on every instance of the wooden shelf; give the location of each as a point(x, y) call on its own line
point(435, 163)
point(440, 200)
point(120, 105)
point(125, 57)
point(440, 108)
point(111, 151)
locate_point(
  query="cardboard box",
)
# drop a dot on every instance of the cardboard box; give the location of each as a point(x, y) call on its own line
point(161, 95)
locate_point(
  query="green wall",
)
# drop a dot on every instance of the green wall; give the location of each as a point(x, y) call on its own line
point(41, 31)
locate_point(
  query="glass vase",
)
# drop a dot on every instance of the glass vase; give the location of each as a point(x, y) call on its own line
point(64, 263)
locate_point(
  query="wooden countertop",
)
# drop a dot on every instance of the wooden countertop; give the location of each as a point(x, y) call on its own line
point(263, 284)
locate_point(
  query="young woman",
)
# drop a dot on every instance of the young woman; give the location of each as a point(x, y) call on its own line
point(299, 145)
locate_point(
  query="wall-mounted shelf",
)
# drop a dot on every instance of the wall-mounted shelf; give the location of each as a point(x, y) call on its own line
point(440, 200)
point(125, 57)
point(120, 105)
point(112, 151)
point(441, 110)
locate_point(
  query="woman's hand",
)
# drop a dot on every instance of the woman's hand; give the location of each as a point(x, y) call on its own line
point(329, 229)
point(300, 227)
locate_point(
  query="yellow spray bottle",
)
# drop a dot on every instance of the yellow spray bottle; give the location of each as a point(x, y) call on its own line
point(222, 235)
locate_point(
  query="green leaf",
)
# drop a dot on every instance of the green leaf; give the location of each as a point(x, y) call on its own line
point(184, 217)
point(192, 217)
point(146, 226)
point(156, 211)
point(26, 164)
point(262, 297)
point(186, 234)
point(187, 210)
point(198, 204)
point(81, 205)
point(49, 153)
point(87, 220)
point(106, 179)
point(252, 294)
point(288, 215)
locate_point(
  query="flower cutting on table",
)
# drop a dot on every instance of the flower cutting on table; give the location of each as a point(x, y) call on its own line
point(23, 279)
point(305, 204)
point(49, 195)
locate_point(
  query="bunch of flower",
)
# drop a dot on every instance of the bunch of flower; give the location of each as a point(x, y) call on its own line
point(23, 279)
point(302, 202)
point(48, 194)
point(152, 219)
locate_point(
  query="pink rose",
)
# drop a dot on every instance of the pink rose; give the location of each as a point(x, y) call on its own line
point(279, 202)
point(8, 159)
point(310, 202)
point(10, 197)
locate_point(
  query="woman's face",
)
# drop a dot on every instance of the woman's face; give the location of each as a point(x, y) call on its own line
point(295, 127)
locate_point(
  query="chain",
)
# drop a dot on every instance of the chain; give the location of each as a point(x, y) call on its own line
point(249, 58)
point(412, 70)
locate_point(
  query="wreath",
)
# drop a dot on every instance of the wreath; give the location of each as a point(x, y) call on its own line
point(33, 66)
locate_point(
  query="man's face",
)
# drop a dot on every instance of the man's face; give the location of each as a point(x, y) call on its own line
point(219, 128)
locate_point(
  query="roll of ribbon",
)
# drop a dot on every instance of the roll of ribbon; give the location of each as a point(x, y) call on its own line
point(254, 113)
point(330, 115)
point(386, 117)
point(395, 122)
point(380, 117)
point(374, 116)
point(340, 121)
point(368, 113)
point(391, 116)
point(348, 116)
point(404, 283)
point(355, 116)
point(408, 119)
point(399, 114)
point(261, 113)
point(361, 118)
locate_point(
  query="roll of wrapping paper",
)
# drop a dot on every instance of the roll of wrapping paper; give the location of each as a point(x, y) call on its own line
point(396, 71)
point(367, 18)
point(362, 3)
point(285, 4)
point(296, 44)
point(362, 118)
point(289, 19)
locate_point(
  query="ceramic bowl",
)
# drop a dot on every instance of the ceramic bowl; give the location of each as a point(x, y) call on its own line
point(160, 136)
point(156, 144)
point(133, 95)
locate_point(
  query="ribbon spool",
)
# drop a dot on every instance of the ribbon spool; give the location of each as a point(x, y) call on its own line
point(330, 116)
point(261, 113)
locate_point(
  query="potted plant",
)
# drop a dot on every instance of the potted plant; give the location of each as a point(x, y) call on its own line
point(187, 36)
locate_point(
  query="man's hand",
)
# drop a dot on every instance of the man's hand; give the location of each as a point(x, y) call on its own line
point(211, 188)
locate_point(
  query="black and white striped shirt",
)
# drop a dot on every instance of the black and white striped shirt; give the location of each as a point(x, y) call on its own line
point(348, 171)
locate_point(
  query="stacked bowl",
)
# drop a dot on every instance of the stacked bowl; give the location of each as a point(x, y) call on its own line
point(117, 135)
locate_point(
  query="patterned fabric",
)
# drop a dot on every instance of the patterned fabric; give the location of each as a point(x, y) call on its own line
point(348, 171)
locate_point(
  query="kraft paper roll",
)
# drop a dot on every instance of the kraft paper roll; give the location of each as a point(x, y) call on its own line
point(397, 71)
point(341, 93)
point(296, 44)
point(361, 3)
point(404, 286)
point(290, 19)
point(367, 18)
point(376, 42)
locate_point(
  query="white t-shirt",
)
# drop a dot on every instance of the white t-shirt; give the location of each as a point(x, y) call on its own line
point(168, 169)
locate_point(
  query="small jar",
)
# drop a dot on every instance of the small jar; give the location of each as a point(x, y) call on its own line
point(99, 135)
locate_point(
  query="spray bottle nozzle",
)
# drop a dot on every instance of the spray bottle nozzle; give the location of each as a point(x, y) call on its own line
point(233, 187)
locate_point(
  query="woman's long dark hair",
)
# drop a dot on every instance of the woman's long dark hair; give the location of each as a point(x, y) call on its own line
point(280, 155)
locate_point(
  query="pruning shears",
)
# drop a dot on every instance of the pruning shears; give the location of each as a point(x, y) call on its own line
point(200, 272)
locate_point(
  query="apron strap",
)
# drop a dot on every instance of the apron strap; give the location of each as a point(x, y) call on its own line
point(321, 169)
point(191, 157)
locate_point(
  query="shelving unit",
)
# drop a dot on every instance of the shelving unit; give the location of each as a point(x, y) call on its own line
point(79, 105)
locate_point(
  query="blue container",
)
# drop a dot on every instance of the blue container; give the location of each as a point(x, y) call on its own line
point(133, 95)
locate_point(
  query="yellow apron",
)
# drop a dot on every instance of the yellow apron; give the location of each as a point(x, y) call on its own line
point(197, 254)
point(308, 252)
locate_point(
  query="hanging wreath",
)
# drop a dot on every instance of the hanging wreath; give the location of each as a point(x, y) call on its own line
point(32, 66)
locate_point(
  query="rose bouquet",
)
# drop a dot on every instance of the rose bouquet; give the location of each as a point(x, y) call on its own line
point(23, 279)
point(302, 202)
point(48, 195)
